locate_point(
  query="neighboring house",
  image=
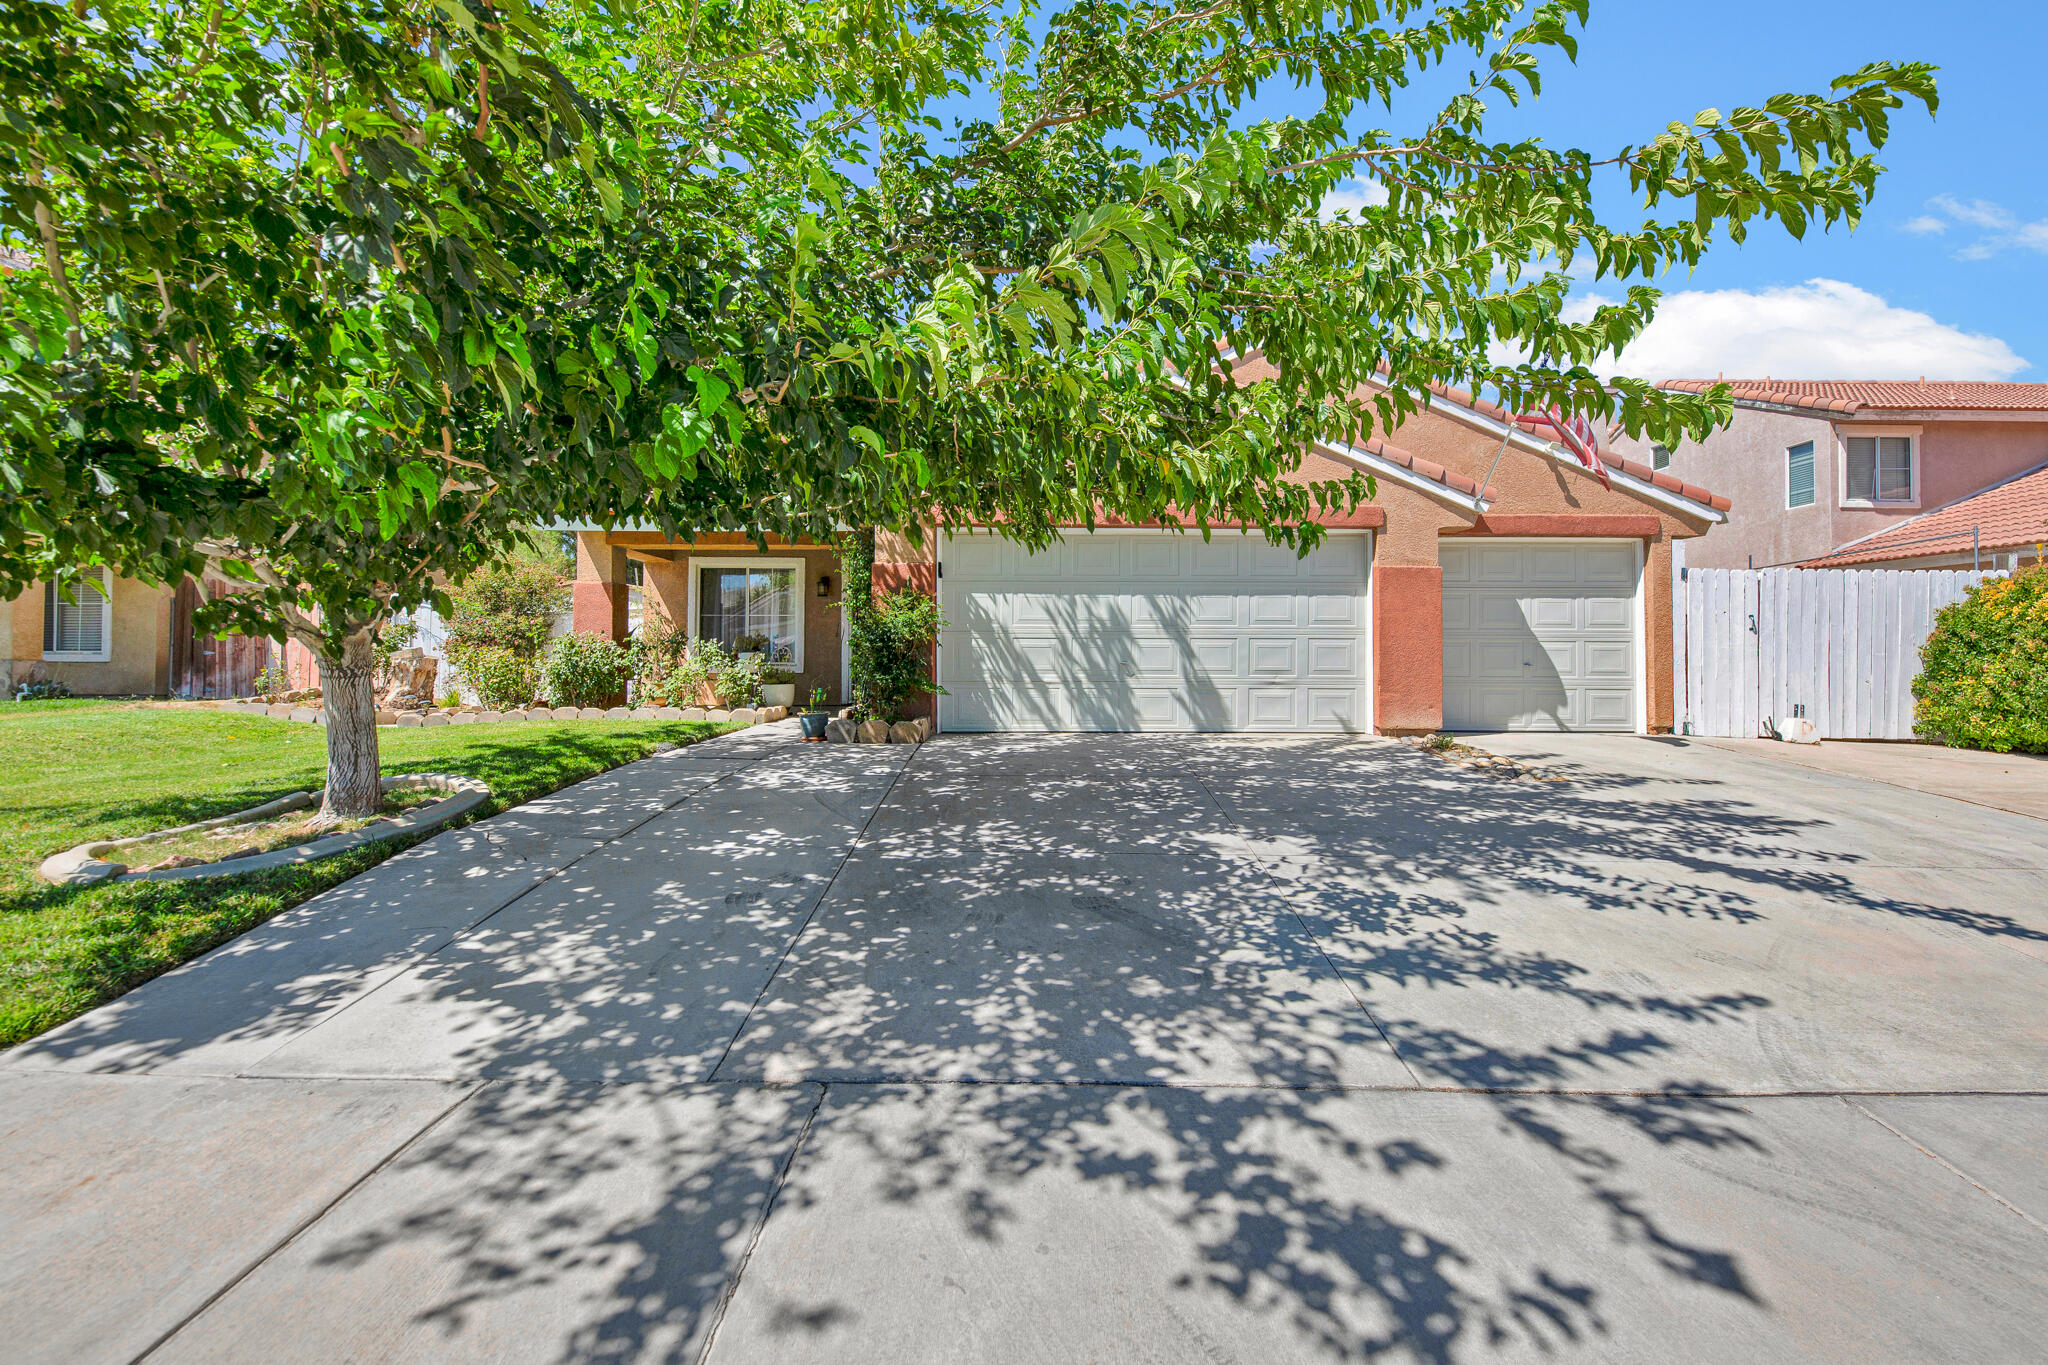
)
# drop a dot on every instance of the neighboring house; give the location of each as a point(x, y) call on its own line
point(1493, 583)
point(118, 637)
point(1815, 466)
point(2003, 527)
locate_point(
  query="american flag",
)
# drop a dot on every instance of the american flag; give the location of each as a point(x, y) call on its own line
point(1575, 434)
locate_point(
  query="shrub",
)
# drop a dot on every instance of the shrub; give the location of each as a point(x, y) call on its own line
point(739, 682)
point(42, 689)
point(892, 650)
point(585, 669)
point(501, 679)
point(1983, 680)
point(507, 608)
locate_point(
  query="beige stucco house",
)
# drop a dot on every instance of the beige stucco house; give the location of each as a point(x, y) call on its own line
point(118, 637)
point(1816, 466)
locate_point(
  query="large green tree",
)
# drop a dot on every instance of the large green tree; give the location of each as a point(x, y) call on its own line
point(336, 295)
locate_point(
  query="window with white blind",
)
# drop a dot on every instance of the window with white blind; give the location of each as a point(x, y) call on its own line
point(78, 623)
point(1878, 468)
point(749, 605)
point(1799, 475)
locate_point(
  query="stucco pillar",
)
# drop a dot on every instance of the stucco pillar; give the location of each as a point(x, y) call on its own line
point(1408, 648)
point(598, 599)
point(1660, 703)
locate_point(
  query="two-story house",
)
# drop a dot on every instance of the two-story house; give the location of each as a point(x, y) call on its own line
point(1884, 473)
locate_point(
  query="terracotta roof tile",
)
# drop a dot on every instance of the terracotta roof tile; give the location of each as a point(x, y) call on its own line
point(2005, 515)
point(12, 258)
point(1852, 396)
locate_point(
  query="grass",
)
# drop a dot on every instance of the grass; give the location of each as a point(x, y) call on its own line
point(77, 770)
point(260, 836)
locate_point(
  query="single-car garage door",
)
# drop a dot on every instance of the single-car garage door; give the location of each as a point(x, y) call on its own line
point(1154, 631)
point(1539, 635)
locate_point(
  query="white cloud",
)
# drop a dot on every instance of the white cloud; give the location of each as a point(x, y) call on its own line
point(1350, 196)
point(2005, 232)
point(1977, 213)
point(1823, 329)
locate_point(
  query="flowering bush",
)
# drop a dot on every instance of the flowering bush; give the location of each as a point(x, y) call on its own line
point(585, 670)
point(1983, 680)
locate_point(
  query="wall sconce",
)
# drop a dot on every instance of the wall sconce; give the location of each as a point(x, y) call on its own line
point(824, 585)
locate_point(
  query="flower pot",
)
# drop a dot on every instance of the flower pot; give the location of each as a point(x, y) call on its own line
point(814, 723)
point(778, 694)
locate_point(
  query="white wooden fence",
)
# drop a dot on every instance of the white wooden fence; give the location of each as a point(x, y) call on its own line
point(1840, 647)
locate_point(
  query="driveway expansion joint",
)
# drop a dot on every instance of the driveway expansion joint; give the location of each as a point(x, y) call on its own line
point(1947, 1165)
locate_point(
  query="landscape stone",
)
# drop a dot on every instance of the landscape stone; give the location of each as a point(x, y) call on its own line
point(642, 713)
point(590, 713)
point(464, 718)
point(302, 714)
point(486, 717)
point(872, 732)
point(617, 713)
point(839, 730)
point(745, 715)
point(718, 715)
point(693, 713)
point(411, 718)
point(906, 732)
point(438, 718)
point(385, 717)
point(280, 711)
point(668, 713)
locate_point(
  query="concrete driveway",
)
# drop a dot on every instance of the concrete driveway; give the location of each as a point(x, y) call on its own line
point(1083, 1048)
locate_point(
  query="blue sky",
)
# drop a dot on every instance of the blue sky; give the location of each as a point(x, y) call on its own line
point(1948, 274)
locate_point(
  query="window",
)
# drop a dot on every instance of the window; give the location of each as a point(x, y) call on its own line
point(79, 630)
point(1878, 469)
point(753, 603)
point(1660, 457)
point(1799, 475)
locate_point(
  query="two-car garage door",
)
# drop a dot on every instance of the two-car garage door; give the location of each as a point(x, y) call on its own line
point(1154, 631)
point(1540, 635)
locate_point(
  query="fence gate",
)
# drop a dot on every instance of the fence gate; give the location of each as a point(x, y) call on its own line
point(208, 665)
point(1840, 647)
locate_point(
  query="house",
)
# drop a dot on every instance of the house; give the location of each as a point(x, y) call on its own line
point(1817, 466)
point(111, 636)
point(2003, 527)
point(1493, 583)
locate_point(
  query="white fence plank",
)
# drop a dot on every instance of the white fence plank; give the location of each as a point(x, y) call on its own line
point(1843, 644)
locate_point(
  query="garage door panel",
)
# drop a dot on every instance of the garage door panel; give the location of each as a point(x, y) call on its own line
point(1274, 609)
point(1272, 656)
point(1180, 635)
point(1334, 658)
point(1608, 613)
point(1539, 636)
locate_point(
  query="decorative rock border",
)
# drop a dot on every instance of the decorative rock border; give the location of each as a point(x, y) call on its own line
point(841, 730)
point(82, 865)
point(477, 715)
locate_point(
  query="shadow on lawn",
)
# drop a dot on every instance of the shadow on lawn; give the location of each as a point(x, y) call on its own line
point(1175, 1000)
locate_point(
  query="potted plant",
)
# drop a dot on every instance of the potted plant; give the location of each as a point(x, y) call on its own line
point(778, 687)
point(813, 720)
point(751, 646)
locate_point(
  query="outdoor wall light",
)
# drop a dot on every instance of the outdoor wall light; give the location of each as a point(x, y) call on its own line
point(824, 585)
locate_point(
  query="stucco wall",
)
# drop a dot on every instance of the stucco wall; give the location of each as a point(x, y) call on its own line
point(139, 663)
point(1745, 461)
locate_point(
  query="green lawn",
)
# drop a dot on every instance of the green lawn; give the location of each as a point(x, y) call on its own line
point(75, 770)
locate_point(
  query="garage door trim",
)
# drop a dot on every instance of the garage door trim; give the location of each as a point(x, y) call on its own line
point(1638, 622)
point(1367, 596)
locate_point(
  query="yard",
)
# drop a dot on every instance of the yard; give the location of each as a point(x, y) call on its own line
point(73, 770)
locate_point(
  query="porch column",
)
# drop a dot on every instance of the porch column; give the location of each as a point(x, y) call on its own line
point(1408, 648)
point(598, 599)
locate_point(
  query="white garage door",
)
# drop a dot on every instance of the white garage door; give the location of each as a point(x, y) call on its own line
point(1151, 631)
point(1539, 636)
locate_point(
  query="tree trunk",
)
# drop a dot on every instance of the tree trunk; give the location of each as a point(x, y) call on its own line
point(857, 586)
point(348, 692)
